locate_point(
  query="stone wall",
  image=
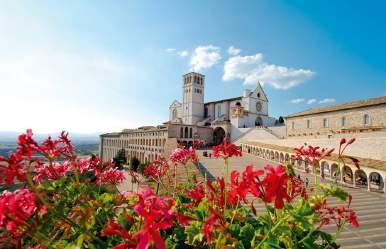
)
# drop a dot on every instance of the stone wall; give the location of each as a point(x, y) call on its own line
point(354, 119)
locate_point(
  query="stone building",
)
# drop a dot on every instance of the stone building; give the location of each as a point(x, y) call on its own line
point(149, 143)
point(358, 116)
point(225, 116)
point(191, 119)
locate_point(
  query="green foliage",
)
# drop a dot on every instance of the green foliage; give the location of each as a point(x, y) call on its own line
point(134, 163)
point(120, 159)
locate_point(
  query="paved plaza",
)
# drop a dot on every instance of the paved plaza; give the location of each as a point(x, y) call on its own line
point(370, 206)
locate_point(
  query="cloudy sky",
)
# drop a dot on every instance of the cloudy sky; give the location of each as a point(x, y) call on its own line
point(96, 66)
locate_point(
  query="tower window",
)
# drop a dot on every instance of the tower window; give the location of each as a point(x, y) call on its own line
point(293, 125)
point(366, 119)
point(309, 124)
point(258, 95)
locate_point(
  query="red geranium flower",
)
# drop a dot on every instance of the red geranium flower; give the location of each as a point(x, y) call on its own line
point(110, 176)
point(157, 215)
point(12, 168)
point(226, 150)
point(275, 186)
point(15, 210)
point(181, 155)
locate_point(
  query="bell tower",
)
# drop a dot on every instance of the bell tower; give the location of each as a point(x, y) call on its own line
point(193, 98)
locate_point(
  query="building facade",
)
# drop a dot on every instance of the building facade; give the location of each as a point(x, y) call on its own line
point(358, 116)
point(192, 119)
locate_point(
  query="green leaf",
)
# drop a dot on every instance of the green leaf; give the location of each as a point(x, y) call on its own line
point(247, 232)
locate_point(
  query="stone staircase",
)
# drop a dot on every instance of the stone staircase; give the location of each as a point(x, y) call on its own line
point(256, 134)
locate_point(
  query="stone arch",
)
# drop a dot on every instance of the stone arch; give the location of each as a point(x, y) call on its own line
point(299, 163)
point(334, 171)
point(281, 157)
point(317, 169)
point(376, 181)
point(325, 169)
point(272, 155)
point(259, 121)
point(287, 158)
point(361, 178)
point(276, 156)
point(347, 174)
point(218, 135)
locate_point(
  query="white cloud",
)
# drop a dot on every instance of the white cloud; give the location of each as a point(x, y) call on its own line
point(183, 53)
point(252, 68)
point(297, 101)
point(311, 101)
point(171, 50)
point(233, 51)
point(205, 57)
point(326, 100)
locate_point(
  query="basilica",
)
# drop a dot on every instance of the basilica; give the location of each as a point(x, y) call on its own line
point(225, 116)
point(191, 119)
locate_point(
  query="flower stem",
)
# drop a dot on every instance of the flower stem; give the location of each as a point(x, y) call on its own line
point(226, 182)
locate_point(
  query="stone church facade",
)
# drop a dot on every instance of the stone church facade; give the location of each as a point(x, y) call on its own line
point(193, 118)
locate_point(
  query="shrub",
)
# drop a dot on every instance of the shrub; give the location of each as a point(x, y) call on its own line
point(60, 205)
point(134, 163)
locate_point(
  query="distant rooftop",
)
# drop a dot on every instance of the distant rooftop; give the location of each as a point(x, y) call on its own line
point(344, 106)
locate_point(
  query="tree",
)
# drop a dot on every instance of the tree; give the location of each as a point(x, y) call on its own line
point(134, 163)
point(120, 159)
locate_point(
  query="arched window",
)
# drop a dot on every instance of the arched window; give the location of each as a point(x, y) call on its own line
point(191, 132)
point(175, 114)
point(182, 132)
point(366, 119)
point(186, 132)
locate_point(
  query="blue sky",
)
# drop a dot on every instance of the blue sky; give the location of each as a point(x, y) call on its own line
point(93, 66)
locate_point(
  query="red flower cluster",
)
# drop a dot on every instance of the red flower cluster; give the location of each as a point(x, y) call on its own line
point(339, 215)
point(196, 194)
point(50, 172)
point(50, 149)
point(311, 154)
point(12, 168)
point(183, 156)
point(275, 186)
point(197, 143)
point(110, 176)
point(115, 229)
point(157, 214)
point(226, 150)
point(156, 169)
point(215, 221)
point(15, 210)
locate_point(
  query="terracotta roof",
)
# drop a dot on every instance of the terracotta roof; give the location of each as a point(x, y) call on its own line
point(344, 106)
point(365, 162)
